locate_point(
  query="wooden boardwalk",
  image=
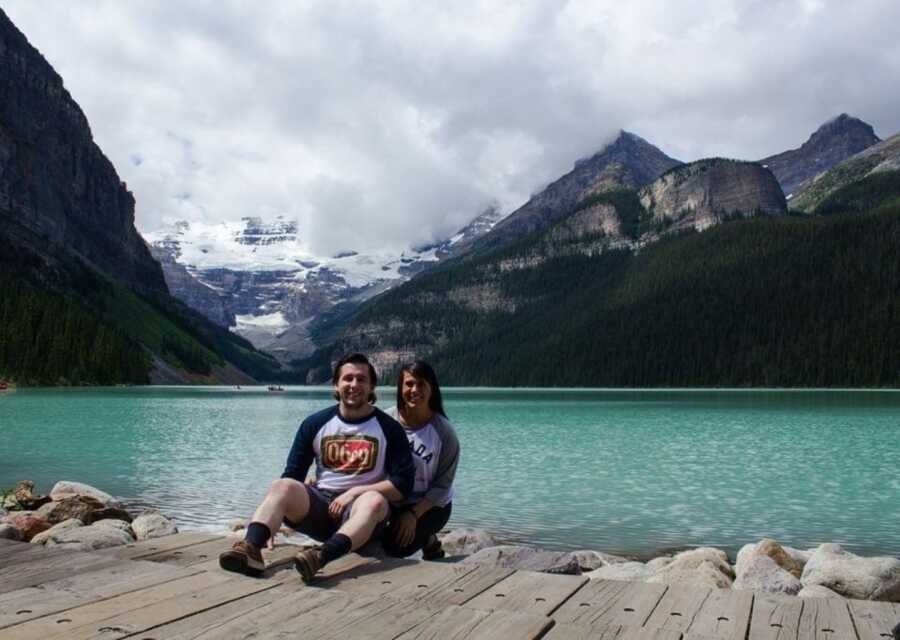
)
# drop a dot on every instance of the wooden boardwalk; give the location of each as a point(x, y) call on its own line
point(173, 588)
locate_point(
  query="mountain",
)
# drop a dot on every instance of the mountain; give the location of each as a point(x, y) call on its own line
point(57, 188)
point(473, 302)
point(882, 157)
point(703, 193)
point(255, 277)
point(82, 301)
point(833, 142)
point(627, 162)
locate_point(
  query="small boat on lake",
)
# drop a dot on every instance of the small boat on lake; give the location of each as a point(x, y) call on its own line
point(276, 387)
point(3, 386)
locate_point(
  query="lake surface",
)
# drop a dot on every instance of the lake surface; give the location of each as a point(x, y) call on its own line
point(633, 472)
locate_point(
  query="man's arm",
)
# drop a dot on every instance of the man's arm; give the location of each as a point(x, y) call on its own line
point(302, 453)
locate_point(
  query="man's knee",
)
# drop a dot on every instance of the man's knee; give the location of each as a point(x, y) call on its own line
point(288, 490)
point(372, 504)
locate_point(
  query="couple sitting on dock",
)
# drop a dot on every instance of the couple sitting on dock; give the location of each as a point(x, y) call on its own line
point(377, 473)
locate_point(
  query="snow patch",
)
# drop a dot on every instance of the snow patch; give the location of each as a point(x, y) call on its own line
point(273, 323)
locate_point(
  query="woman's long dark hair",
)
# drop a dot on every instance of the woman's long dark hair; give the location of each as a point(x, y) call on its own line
point(423, 371)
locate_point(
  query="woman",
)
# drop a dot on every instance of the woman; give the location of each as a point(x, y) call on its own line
point(435, 451)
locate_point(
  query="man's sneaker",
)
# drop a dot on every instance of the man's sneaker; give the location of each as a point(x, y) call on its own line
point(308, 562)
point(243, 558)
point(433, 549)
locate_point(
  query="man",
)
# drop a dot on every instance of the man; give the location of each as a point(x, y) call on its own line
point(362, 462)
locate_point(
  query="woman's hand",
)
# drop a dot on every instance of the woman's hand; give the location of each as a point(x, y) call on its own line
point(337, 506)
point(405, 531)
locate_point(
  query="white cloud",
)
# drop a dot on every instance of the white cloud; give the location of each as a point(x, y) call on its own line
point(384, 124)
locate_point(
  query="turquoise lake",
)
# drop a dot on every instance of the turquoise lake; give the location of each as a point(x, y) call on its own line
point(635, 472)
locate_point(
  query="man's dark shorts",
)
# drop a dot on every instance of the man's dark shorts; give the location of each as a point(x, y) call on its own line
point(318, 524)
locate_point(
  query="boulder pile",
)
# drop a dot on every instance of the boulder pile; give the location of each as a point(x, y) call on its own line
point(827, 571)
point(75, 516)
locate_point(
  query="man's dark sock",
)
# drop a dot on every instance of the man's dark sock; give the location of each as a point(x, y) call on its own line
point(335, 547)
point(258, 534)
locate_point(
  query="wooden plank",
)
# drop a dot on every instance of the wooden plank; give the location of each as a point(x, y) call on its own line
point(139, 621)
point(724, 614)
point(825, 619)
point(611, 603)
point(361, 617)
point(67, 622)
point(30, 553)
point(73, 591)
point(209, 551)
point(230, 619)
point(677, 608)
point(139, 550)
point(528, 591)
point(462, 623)
point(51, 568)
point(775, 617)
point(576, 631)
point(874, 620)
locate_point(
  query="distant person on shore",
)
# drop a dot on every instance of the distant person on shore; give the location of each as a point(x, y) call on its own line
point(362, 462)
point(415, 522)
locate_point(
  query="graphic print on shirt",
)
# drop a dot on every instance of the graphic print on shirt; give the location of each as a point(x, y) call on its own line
point(425, 447)
point(349, 455)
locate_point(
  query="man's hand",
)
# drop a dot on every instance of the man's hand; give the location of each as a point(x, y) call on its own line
point(337, 506)
point(405, 531)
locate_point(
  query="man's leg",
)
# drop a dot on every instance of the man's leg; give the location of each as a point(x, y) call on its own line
point(365, 513)
point(286, 498)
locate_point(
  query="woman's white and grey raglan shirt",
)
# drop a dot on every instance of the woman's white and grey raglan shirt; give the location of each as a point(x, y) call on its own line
point(435, 453)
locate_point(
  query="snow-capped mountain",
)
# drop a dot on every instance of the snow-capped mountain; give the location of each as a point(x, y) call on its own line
point(255, 277)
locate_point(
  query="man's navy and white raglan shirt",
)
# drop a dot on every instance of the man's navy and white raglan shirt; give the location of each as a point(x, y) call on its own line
point(350, 453)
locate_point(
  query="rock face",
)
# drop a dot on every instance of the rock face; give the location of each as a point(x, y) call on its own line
point(762, 573)
point(526, 559)
point(783, 558)
point(833, 142)
point(702, 567)
point(65, 489)
point(152, 525)
point(853, 576)
point(465, 542)
point(703, 193)
point(56, 186)
point(628, 161)
point(71, 523)
point(29, 525)
point(89, 538)
point(884, 156)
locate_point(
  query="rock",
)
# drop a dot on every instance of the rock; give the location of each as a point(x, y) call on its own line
point(237, 525)
point(589, 560)
point(818, 591)
point(10, 532)
point(464, 542)
point(90, 538)
point(853, 576)
point(66, 489)
point(763, 573)
point(771, 549)
point(703, 567)
point(111, 513)
point(635, 571)
point(121, 525)
point(152, 525)
point(24, 496)
point(29, 525)
point(81, 507)
point(42, 537)
point(658, 563)
point(527, 559)
point(702, 574)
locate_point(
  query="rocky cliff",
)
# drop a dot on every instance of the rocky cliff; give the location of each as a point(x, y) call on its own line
point(56, 186)
point(703, 193)
point(884, 156)
point(833, 142)
point(628, 161)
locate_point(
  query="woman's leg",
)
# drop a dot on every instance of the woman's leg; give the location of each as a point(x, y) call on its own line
point(428, 525)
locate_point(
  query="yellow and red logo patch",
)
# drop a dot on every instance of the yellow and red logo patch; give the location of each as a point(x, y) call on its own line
point(349, 454)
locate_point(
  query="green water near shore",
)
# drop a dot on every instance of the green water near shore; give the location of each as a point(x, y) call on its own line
point(622, 471)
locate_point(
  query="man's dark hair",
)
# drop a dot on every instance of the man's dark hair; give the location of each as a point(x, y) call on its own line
point(423, 371)
point(355, 358)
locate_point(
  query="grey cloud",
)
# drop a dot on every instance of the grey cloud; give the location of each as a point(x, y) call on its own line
point(392, 123)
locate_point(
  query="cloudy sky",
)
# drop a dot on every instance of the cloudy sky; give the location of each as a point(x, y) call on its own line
point(384, 124)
